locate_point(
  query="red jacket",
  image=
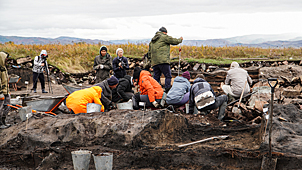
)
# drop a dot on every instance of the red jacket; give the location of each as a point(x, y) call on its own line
point(149, 86)
point(78, 100)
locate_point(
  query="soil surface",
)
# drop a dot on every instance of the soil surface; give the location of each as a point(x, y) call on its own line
point(148, 139)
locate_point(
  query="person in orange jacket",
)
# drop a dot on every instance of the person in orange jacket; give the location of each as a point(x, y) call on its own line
point(77, 101)
point(151, 91)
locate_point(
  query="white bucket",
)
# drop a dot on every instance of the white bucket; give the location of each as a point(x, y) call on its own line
point(25, 113)
point(81, 159)
point(187, 108)
point(125, 105)
point(92, 107)
point(103, 161)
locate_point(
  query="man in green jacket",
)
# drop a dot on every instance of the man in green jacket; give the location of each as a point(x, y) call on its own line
point(159, 51)
point(4, 90)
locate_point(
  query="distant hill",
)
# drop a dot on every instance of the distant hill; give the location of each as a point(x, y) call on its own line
point(263, 41)
point(39, 40)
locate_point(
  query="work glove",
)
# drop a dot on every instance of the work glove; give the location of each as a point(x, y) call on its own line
point(101, 66)
point(113, 105)
point(155, 104)
point(2, 96)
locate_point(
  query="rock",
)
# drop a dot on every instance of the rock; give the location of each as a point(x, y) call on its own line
point(296, 80)
point(259, 105)
point(285, 62)
point(290, 93)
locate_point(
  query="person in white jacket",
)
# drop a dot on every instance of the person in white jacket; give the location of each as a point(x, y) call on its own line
point(235, 81)
point(38, 69)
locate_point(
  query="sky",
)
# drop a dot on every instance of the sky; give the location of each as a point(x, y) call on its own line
point(140, 19)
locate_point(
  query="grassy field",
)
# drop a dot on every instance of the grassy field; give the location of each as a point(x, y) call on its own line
point(76, 58)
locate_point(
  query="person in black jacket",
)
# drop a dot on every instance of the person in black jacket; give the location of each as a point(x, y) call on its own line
point(120, 64)
point(123, 92)
point(102, 65)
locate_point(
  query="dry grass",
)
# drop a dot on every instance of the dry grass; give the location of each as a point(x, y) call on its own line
point(78, 57)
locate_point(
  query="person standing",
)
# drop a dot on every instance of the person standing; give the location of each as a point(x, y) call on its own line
point(120, 64)
point(159, 51)
point(4, 90)
point(102, 65)
point(39, 66)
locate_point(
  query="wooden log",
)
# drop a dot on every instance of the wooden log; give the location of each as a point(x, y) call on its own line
point(24, 60)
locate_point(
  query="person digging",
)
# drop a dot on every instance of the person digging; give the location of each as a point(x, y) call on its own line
point(150, 90)
point(203, 97)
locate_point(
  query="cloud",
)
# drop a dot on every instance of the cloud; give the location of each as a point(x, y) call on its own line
point(135, 19)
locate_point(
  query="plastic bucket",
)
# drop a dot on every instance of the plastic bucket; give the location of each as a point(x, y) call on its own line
point(81, 159)
point(103, 161)
point(92, 107)
point(125, 105)
point(25, 113)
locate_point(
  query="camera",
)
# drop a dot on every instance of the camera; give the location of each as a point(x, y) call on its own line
point(44, 56)
point(123, 64)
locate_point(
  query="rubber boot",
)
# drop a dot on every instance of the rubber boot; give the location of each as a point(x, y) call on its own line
point(136, 100)
point(35, 90)
point(2, 125)
point(230, 98)
point(3, 121)
point(221, 112)
point(43, 91)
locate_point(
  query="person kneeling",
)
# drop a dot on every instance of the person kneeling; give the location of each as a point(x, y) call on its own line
point(77, 101)
point(203, 97)
point(151, 91)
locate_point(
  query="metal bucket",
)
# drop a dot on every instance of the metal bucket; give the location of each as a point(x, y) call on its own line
point(125, 105)
point(103, 161)
point(81, 159)
point(92, 107)
point(25, 113)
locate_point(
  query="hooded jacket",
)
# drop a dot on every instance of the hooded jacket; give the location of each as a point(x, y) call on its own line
point(149, 86)
point(104, 73)
point(125, 85)
point(199, 86)
point(236, 78)
point(3, 74)
point(159, 48)
point(106, 91)
point(180, 87)
point(37, 68)
point(78, 100)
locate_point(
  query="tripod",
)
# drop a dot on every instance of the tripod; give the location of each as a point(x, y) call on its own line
point(48, 78)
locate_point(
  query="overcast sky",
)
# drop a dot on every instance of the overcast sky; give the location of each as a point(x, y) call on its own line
point(140, 19)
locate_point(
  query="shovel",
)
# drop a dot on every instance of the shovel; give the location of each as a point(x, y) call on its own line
point(237, 109)
point(270, 163)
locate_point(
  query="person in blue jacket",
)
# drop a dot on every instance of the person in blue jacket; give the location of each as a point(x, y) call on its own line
point(120, 64)
point(180, 91)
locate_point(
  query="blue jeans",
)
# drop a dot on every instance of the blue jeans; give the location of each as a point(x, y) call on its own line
point(163, 69)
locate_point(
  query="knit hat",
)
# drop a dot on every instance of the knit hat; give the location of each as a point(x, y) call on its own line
point(136, 72)
point(103, 48)
point(112, 81)
point(186, 75)
point(119, 49)
point(163, 29)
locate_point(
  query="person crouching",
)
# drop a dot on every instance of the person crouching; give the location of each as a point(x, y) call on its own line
point(77, 101)
point(151, 91)
point(203, 97)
